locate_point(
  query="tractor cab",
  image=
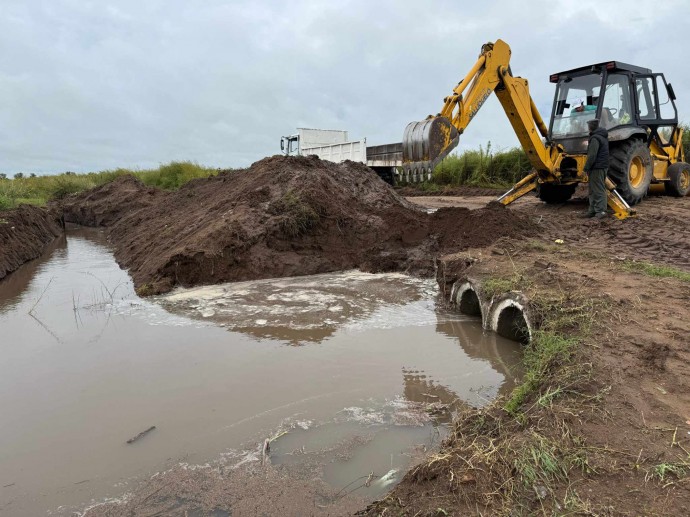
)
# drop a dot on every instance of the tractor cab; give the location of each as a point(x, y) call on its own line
point(626, 99)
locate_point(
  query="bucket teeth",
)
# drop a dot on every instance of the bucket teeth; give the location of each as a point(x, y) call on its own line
point(425, 144)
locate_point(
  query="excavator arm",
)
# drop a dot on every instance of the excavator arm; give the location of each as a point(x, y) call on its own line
point(427, 142)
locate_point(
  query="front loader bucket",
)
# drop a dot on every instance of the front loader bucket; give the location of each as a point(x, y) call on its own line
point(425, 144)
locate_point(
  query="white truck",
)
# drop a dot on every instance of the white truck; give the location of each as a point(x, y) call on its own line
point(333, 145)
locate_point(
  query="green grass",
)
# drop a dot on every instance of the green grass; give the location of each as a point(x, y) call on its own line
point(662, 471)
point(38, 190)
point(563, 320)
point(546, 349)
point(648, 269)
point(540, 461)
point(483, 168)
point(498, 285)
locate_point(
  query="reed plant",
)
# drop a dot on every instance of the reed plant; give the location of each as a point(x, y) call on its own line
point(483, 168)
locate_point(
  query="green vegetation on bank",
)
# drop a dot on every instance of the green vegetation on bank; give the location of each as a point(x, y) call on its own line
point(37, 190)
point(483, 168)
point(564, 321)
point(648, 269)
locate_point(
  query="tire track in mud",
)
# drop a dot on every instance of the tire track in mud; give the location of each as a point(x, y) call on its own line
point(660, 233)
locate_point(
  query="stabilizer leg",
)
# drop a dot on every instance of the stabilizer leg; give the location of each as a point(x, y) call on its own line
point(621, 209)
point(522, 187)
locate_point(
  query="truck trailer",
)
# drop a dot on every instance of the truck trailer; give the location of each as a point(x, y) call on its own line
point(333, 145)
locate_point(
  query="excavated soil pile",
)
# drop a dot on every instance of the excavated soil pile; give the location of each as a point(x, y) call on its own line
point(284, 216)
point(462, 228)
point(106, 204)
point(24, 232)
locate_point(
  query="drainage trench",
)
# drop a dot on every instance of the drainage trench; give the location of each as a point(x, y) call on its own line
point(348, 374)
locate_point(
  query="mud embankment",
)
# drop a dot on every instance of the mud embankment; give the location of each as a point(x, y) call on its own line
point(284, 216)
point(24, 233)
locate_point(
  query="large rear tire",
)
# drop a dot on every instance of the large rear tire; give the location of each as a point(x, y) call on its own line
point(678, 183)
point(631, 170)
point(555, 194)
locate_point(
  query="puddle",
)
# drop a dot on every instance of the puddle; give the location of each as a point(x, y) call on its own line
point(88, 365)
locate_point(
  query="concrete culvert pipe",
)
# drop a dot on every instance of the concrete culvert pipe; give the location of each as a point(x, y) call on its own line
point(467, 300)
point(509, 318)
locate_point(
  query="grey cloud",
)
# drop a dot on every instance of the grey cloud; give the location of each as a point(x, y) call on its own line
point(90, 86)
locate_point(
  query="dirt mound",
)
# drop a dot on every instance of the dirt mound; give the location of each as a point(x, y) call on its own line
point(106, 204)
point(461, 228)
point(24, 232)
point(284, 216)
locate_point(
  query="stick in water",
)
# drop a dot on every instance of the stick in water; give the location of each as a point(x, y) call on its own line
point(141, 434)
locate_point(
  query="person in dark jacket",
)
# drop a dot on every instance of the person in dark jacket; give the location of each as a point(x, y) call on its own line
point(596, 167)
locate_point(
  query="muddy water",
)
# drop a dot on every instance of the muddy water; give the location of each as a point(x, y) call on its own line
point(353, 374)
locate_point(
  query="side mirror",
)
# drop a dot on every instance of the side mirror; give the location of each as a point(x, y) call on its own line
point(282, 144)
point(671, 93)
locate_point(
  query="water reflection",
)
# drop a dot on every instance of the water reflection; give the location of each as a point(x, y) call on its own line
point(13, 286)
point(503, 354)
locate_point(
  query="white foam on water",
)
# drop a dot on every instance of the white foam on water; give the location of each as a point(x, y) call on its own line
point(388, 478)
point(353, 300)
point(152, 313)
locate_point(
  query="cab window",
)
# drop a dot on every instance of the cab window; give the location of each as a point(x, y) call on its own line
point(667, 110)
point(616, 106)
point(645, 98)
point(576, 103)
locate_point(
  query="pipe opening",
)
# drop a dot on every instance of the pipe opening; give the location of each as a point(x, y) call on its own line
point(469, 303)
point(512, 325)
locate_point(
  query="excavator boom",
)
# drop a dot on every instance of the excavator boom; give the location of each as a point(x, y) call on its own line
point(427, 142)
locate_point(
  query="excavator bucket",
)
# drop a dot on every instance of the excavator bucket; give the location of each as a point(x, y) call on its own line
point(425, 144)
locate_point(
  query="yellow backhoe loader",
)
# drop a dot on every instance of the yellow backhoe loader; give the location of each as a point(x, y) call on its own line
point(634, 104)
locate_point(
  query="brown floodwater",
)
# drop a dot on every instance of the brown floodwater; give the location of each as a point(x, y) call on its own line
point(353, 374)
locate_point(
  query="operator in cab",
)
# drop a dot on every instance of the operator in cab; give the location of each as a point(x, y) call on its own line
point(596, 167)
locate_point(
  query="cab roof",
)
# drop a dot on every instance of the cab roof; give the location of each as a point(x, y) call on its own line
point(611, 66)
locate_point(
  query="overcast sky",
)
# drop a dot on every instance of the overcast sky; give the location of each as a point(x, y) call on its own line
point(94, 85)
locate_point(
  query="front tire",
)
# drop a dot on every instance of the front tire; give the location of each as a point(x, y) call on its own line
point(678, 183)
point(631, 170)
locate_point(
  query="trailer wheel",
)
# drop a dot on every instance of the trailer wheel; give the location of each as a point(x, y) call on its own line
point(631, 170)
point(555, 194)
point(678, 183)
